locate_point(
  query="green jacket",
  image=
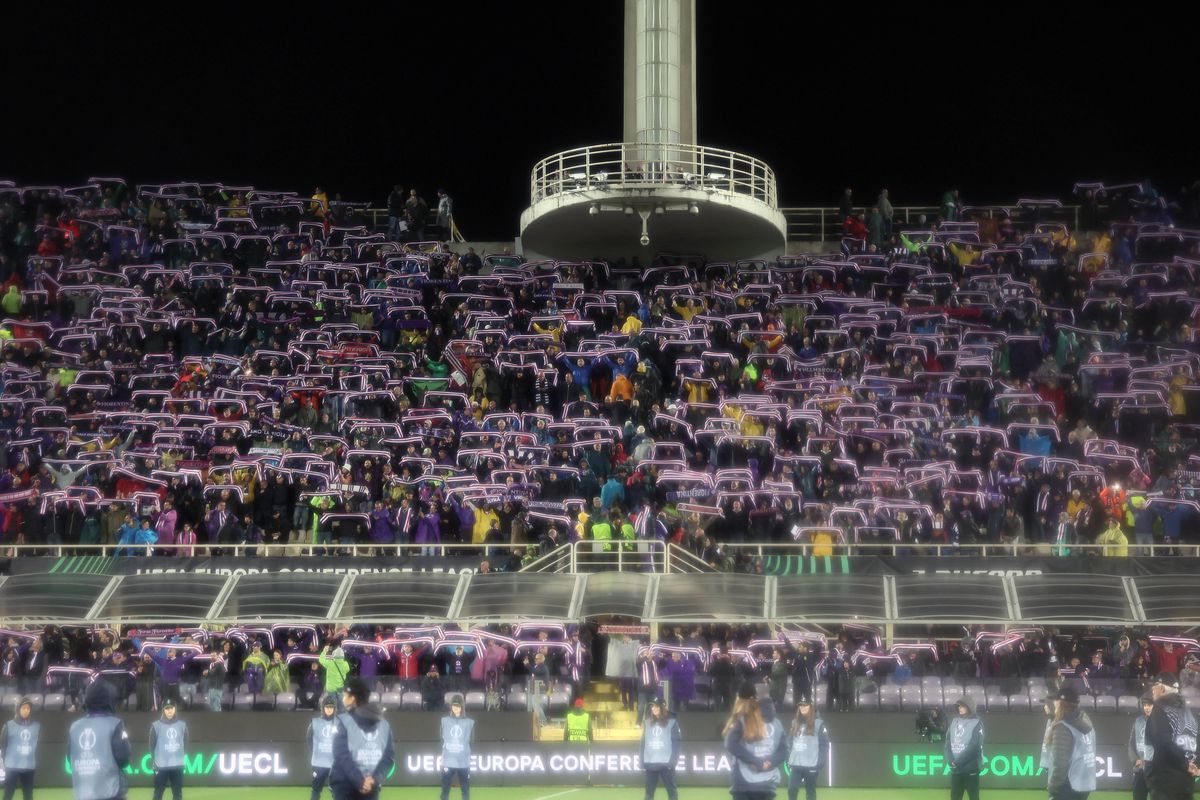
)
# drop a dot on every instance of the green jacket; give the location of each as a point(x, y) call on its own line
point(336, 672)
point(277, 679)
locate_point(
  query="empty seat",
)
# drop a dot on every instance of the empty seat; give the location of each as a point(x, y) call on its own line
point(374, 697)
point(475, 700)
point(1087, 702)
point(933, 696)
point(243, 702)
point(517, 700)
point(559, 699)
point(1129, 703)
point(285, 701)
point(889, 696)
point(910, 696)
point(392, 699)
point(410, 701)
point(54, 701)
point(1106, 703)
point(1019, 702)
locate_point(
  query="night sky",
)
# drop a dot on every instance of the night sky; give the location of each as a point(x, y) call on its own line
point(467, 96)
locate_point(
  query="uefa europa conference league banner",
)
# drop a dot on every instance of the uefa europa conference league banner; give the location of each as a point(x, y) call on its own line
point(868, 750)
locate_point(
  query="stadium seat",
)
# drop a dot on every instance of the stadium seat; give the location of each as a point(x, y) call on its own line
point(1087, 702)
point(243, 701)
point(475, 700)
point(374, 697)
point(911, 697)
point(517, 700)
point(392, 700)
point(996, 699)
point(1105, 703)
point(560, 698)
point(54, 701)
point(410, 701)
point(1129, 704)
point(1019, 702)
point(889, 696)
point(285, 701)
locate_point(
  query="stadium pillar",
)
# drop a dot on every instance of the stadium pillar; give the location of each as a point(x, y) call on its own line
point(660, 75)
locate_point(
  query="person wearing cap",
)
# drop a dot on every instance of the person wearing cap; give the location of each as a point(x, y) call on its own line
point(660, 749)
point(98, 747)
point(458, 734)
point(168, 748)
point(336, 668)
point(579, 725)
point(1171, 732)
point(964, 750)
point(18, 750)
point(1141, 753)
point(1072, 745)
point(320, 744)
point(363, 750)
point(758, 743)
point(809, 745)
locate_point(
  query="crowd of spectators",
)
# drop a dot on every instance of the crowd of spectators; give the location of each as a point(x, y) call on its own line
point(189, 365)
point(502, 666)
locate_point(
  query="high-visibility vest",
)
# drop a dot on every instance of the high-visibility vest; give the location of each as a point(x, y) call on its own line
point(577, 727)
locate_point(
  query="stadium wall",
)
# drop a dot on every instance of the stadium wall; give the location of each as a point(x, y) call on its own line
point(869, 749)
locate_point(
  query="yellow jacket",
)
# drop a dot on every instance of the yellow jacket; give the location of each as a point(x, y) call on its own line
point(483, 523)
point(822, 543)
point(1115, 542)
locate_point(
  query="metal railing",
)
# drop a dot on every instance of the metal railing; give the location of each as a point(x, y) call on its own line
point(939, 550)
point(638, 165)
point(824, 223)
point(589, 555)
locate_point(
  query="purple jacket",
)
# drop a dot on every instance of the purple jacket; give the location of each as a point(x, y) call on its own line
point(683, 679)
point(165, 525)
point(428, 529)
point(382, 531)
point(170, 669)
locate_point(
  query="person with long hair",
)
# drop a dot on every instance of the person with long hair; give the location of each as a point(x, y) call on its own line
point(757, 742)
point(809, 745)
point(1141, 752)
point(1071, 741)
point(660, 749)
point(964, 750)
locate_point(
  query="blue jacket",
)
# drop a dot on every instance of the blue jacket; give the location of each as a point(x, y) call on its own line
point(612, 492)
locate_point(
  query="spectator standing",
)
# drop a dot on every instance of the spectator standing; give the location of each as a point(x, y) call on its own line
point(445, 213)
point(416, 211)
point(395, 203)
point(337, 669)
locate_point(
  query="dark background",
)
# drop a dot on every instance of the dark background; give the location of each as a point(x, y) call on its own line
point(467, 96)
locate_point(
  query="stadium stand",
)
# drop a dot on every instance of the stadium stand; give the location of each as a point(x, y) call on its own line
point(196, 368)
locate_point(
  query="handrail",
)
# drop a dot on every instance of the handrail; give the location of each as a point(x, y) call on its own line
point(633, 555)
point(824, 223)
point(947, 550)
point(629, 165)
point(557, 560)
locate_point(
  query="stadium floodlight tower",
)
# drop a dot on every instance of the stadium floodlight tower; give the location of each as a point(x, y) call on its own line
point(657, 190)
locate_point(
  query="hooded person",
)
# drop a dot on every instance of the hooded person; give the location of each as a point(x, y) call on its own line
point(363, 750)
point(320, 744)
point(758, 743)
point(458, 734)
point(168, 748)
point(98, 747)
point(18, 748)
point(336, 668)
point(1141, 753)
point(964, 750)
point(1072, 747)
point(660, 749)
point(1172, 733)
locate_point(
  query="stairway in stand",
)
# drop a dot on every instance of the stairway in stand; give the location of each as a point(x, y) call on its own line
point(610, 722)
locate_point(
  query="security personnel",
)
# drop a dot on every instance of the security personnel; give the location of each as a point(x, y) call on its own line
point(660, 749)
point(19, 743)
point(320, 744)
point(964, 750)
point(1072, 773)
point(1171, 730)
point(458, 733)
point(168, 746)
point(1140, 751)
point(363, 751)
point(99, 747)
point(579, 725)
point(810, 743)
